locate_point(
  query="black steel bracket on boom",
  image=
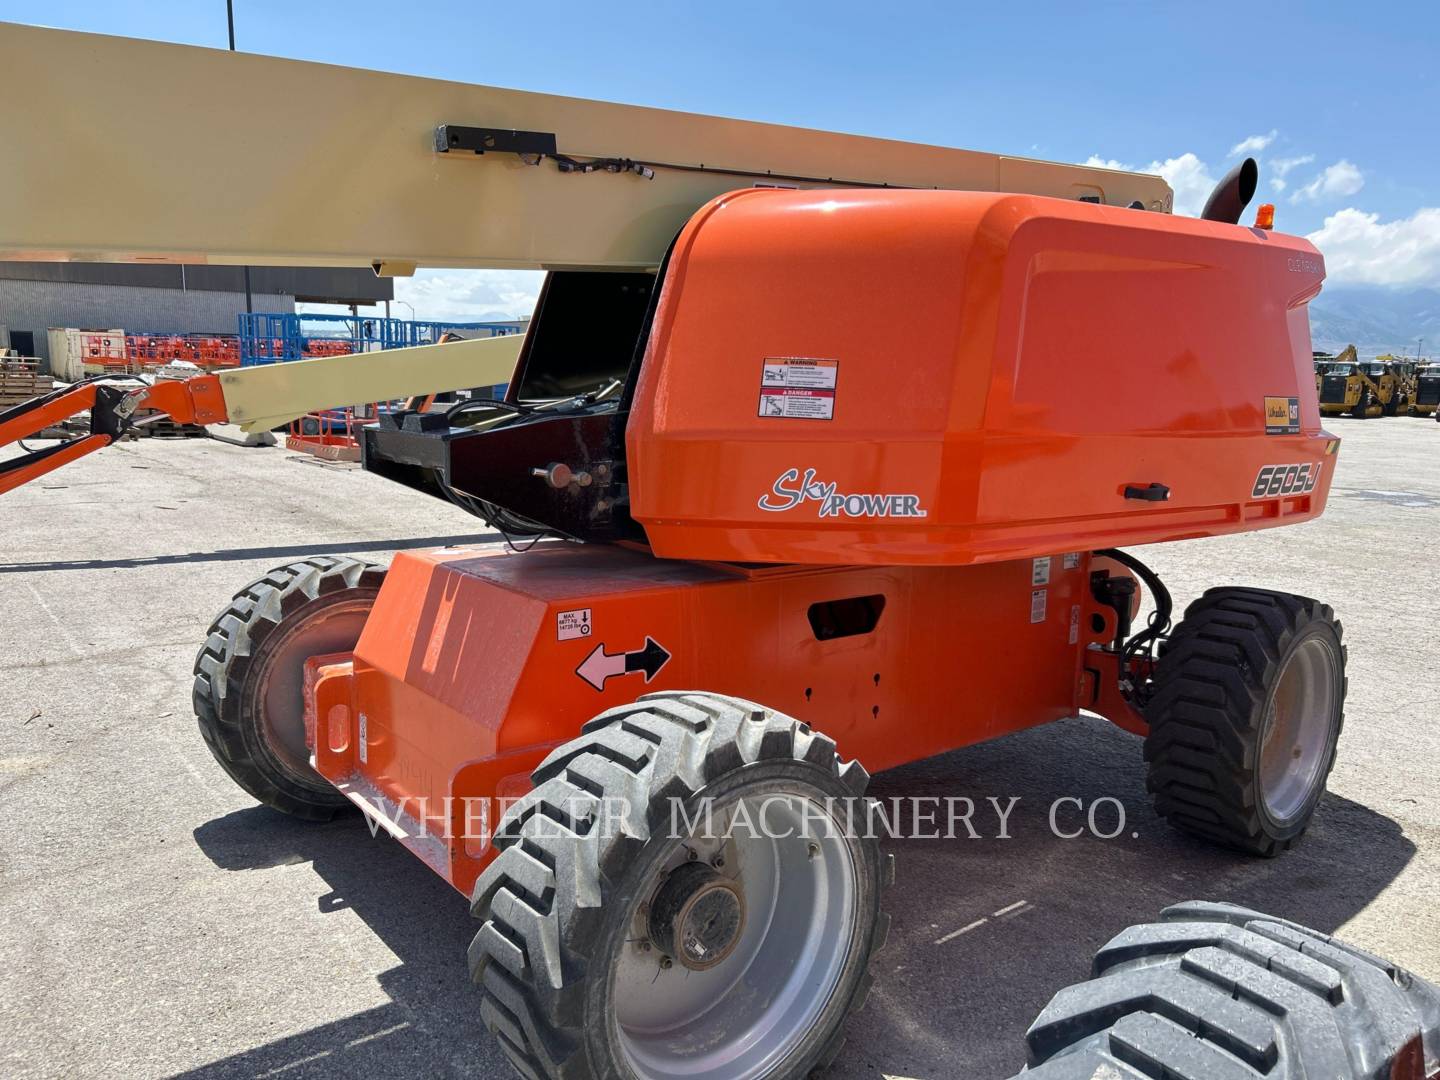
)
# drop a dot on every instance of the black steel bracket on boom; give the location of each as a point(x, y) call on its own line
point(479, 140)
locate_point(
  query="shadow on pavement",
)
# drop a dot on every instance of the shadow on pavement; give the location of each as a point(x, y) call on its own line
point(290, 551)
point(985, 930)
point(432, 1025)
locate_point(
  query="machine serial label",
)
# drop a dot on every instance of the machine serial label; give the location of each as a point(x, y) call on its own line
point(1282, 416)
point(790, 491)
point(1275, 480)
point(798, 388)
point(573, 624)
point(1072, 561)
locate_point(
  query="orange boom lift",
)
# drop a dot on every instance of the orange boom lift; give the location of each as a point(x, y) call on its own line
point(831, 474)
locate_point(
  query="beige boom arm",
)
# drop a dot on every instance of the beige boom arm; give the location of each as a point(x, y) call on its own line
point(260, 398)
point(255, 398)
point(121, 150)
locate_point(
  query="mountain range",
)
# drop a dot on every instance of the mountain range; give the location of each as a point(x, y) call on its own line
point(1376, 320)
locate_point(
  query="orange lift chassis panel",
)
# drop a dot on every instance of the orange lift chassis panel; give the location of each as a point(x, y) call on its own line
point(903, 377)
point(894, 663)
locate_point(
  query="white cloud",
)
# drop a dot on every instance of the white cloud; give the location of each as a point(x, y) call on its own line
point(1187, 175)
point(1360, 249)
point(469, 295)
point(1285, 164)
point(1095, 161)
point(1334, 181)
point(1191, 180)
point(1281, 167)
point(1254, 144)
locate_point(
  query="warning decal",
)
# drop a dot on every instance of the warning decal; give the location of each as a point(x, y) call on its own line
point(1282, 416)
point(1072, 560)
point(799, 388)
point(1037, 605)
point(1040, 571)
point(573, 624)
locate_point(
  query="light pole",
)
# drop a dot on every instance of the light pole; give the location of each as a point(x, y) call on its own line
point(230, 24)
point(409, 305)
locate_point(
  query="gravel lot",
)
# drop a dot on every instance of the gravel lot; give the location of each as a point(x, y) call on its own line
point(158, 923)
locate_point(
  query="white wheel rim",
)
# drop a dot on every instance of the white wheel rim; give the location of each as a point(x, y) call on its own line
point(1296, 733)
point(745, 1015)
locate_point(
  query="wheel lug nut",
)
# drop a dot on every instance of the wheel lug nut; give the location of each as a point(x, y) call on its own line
point(814, 851)
point(718, 861)
point(666, 963)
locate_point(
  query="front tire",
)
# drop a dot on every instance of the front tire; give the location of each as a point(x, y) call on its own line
point(248, 692)
point(1218, 992)
point(1245, 714)
point(616, 945)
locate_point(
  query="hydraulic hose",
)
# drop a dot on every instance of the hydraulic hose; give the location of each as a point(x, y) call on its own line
point(1159, 621)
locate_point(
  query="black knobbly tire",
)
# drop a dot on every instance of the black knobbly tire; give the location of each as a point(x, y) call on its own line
point(254, 653)
point(1216, 692)
point(1217, 992)
point(560, 899)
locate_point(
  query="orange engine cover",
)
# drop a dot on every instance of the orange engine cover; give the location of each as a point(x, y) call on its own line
point(910, 377)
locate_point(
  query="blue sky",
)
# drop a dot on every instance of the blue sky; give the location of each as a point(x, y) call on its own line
point(1340, 101)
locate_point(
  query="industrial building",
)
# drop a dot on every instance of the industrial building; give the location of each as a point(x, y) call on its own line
point(36, 297)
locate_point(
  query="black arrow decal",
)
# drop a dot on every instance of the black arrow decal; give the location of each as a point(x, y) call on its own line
point(599, 666)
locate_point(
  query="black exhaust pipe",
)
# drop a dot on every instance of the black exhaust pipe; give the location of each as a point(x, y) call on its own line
point(1230, 197)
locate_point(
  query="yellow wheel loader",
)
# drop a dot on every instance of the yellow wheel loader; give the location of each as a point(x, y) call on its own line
point(1427, 390)
point(1404, 369)
point(1360, 389)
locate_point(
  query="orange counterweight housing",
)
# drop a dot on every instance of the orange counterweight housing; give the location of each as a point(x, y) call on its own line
point(473, 666)
point(937, 377)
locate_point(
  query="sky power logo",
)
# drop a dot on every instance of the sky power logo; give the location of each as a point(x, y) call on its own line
point(790, 491)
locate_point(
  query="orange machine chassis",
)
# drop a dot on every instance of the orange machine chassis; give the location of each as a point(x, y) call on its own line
point(474, 666)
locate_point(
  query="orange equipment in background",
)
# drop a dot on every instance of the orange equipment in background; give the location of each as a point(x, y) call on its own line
point(327, 347)
point(330, 435)
point(103, 352)
point(146, 352)
point(209, 352)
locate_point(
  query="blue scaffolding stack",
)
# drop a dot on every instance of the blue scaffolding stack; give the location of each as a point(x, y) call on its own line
point(267, 338)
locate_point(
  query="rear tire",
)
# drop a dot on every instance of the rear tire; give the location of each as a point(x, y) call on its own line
point(1217, 992)
point(1245, 713)
point(578, 982)
point(247, 692)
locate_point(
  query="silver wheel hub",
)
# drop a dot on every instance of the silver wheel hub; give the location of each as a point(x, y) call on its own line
point(697, 916)
point(281, 696)
point(739, 942)
point(1296, 733)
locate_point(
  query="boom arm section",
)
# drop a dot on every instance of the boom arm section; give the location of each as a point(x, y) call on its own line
point(256, 398)
point(361, 181)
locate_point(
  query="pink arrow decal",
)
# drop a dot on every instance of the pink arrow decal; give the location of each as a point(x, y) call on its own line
point(600, 665)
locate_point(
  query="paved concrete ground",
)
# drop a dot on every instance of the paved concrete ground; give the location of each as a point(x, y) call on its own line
point(156, 922)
